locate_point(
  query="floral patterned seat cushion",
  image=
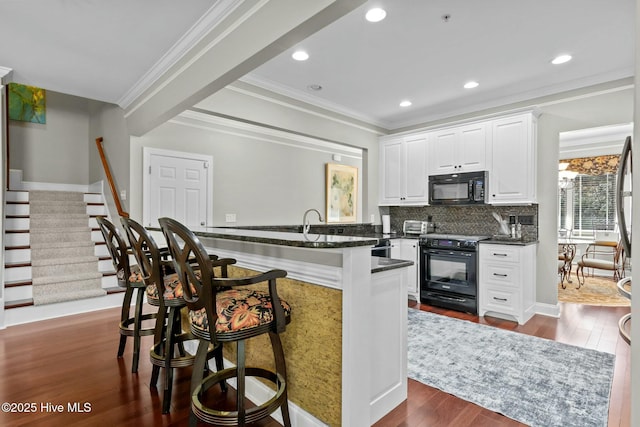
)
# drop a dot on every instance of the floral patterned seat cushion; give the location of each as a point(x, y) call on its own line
point(239, 309)
point(135, 278)
point(172, 288)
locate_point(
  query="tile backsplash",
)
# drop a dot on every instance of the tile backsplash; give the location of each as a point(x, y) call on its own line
point(472, 219)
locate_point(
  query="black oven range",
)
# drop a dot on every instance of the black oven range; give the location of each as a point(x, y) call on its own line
point(449, 271)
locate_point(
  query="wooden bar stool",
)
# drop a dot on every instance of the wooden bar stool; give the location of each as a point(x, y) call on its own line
point(128, 277)
point(222, 315)
point(165, 291)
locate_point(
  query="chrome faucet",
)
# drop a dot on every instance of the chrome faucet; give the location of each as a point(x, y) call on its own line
point(305, 223)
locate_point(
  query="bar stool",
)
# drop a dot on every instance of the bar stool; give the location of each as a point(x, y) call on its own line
point(229, 315)
point(128, 277)
point(165, 291)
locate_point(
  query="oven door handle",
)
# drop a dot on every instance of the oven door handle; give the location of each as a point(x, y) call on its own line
point(452, 298)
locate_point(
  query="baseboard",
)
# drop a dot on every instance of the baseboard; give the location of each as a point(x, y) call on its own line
point(34, 313)
point(550, 310)
point(17, 184)
point(258, 393)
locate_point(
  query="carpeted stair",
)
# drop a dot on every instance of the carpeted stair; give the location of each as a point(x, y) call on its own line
point(63, 264)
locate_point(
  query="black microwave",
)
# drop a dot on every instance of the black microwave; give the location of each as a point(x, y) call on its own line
point(458, 188)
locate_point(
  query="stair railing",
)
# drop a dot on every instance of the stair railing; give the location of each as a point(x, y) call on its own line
point(112, 185)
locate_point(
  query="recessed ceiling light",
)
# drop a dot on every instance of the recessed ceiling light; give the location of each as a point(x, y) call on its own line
point(561, 59)
point(375, 15)
point(471, 85)
point(300, 55)
point(405, 103)
point(315, 87)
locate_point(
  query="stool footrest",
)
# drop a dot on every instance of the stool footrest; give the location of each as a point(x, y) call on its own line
point(230, 418)
point(126, 329)
point(158, 359)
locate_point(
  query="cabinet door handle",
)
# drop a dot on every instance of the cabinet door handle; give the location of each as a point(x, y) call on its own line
point(496, 254)
point(500, 299)
point(499, 274)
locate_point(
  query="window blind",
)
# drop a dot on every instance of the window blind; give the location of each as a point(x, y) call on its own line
point(594, 203)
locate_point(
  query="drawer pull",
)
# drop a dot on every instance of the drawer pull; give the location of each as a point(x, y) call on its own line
point(499, 274)
point(496, 254)
point(500, 299)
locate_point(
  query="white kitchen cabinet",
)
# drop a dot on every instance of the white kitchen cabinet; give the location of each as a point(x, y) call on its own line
point(512, 176)
point(408, 249)
point(403, 171)
point(387, 303)
point(506, 281)
point(459, 149)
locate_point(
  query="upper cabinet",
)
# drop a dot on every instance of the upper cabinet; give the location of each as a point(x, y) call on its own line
point(403, 170)
point(504, 146)
point(458, 149)
point(512, 176)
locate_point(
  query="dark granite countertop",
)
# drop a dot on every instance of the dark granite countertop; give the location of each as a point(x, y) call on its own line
point(379, 264)
point(318, 241)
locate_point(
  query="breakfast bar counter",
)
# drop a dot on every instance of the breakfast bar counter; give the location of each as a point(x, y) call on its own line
point(346, 345)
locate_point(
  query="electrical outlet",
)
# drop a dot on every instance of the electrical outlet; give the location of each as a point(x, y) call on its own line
point(526, 219)
point(373, 218)
point(230, 217)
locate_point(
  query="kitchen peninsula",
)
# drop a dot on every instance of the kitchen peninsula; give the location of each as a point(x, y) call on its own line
point(346, 346)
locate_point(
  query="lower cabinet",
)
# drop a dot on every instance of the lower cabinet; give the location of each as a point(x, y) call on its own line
point(408, 249)
point(388, 349)
point(507, 281)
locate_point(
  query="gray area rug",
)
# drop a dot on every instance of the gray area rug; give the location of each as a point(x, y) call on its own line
point(532, 380)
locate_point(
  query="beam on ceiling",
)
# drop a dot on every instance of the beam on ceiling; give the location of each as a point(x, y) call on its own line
point(253, 33)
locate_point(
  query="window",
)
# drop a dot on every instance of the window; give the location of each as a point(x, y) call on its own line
point(588, 204)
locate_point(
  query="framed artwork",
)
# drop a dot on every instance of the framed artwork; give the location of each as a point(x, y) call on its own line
point(27, 103)
point(342, 192)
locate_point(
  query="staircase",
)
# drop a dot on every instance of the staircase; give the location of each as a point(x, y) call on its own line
point(55, 259)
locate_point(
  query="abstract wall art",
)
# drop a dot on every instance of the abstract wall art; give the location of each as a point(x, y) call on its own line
point(27, 103)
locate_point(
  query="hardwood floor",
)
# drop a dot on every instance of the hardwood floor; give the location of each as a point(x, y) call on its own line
point(72, 360)
point(586, 326)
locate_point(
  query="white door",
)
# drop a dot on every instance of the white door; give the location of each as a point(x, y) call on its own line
point(178, 186)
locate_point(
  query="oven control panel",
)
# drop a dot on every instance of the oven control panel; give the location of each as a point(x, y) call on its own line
point(467, 245)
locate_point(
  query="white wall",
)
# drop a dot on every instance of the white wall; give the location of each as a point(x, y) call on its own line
point(107, 121)
point(55, 152)
point(3, 182)
point(264, 176)
point(635, 304)
point(599, 109)
point(256, 105)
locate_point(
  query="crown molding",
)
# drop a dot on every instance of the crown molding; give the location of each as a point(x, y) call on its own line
point(596, 135)
point(220, 10)
point(203, 120)
point(5, 74)
point(594, 141)
point(299, 95)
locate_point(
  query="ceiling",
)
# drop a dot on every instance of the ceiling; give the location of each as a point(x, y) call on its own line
point(91, 48)
point(95, 49)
